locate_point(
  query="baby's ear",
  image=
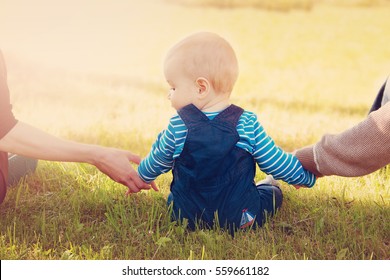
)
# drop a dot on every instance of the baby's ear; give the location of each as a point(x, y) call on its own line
point(203, 86)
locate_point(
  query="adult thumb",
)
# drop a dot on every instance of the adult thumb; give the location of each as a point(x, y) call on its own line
point(133, 158)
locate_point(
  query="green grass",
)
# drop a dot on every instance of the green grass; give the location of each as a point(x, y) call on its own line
point(80, 214)
point(305, 73)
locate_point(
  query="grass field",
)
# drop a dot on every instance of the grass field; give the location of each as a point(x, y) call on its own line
point(94, 74)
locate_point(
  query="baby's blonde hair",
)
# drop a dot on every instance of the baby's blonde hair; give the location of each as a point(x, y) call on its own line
point(208, 55)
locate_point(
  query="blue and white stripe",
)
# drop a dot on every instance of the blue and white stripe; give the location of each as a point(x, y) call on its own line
point(253, 138)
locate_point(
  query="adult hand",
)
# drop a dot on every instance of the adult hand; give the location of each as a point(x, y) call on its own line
point(23, 139)
point(115, 163)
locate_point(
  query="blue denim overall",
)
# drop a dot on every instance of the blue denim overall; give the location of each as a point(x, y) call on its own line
point(213, 179)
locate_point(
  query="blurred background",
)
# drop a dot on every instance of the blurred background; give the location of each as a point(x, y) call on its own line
point(91, 70)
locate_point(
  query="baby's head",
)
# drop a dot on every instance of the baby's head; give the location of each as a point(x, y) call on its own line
point(200, 67)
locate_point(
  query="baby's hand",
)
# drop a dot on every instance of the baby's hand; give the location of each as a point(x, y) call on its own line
point(302, 186)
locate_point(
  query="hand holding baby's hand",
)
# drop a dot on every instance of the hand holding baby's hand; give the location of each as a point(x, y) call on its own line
point(301, 186)
point(150, 185)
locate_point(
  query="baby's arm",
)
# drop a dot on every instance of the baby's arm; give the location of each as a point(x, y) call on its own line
point(160, 158)
point(274, 161)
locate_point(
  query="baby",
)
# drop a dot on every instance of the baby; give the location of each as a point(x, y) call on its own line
point(212, 145)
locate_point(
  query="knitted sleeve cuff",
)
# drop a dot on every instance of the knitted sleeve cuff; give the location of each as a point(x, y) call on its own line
point(306, 157)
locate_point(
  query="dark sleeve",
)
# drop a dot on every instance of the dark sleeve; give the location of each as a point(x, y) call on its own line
point(378, 100)
point(7, 119)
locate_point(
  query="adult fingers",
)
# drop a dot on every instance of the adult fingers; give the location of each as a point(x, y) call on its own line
point(154, 186)
point(131, 186)
point(138, 182)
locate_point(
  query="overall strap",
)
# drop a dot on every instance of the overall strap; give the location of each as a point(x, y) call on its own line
point(230, 115)
point(192, 116)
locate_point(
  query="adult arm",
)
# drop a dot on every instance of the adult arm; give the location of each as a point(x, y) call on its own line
point(23, 139)
point(357, 151)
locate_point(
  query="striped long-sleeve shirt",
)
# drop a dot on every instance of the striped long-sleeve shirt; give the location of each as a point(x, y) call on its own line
point(253, 139)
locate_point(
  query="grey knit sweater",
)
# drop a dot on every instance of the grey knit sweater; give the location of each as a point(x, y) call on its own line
point(357, 151)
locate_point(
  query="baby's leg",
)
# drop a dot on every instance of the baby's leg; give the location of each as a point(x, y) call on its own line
point(271, 198)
